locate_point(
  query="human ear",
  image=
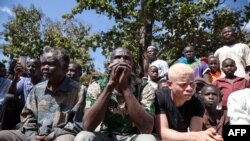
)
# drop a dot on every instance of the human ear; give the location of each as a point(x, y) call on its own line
point(169, 83)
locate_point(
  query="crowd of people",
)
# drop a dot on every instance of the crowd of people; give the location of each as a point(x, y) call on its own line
point(189, 100)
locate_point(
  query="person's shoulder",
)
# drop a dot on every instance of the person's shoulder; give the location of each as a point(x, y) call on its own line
point(196, 99)
point(240, 93)
point(42, 84)
point(241, 45)
point(221, 79)
point(218, 50)
point(94, 89)
point(158, 61)
point(164, 92)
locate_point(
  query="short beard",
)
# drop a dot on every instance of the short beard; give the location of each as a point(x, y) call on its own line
point(230, 41)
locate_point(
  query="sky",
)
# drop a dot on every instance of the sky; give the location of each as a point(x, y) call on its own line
point(54, 9)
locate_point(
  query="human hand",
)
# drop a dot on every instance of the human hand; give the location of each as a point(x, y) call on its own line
point(210, 135)
point(113, 74)
point(39, 138)
point(19, 70)
point(124, 72)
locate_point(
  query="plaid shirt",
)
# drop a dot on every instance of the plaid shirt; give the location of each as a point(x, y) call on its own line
point(46, 111)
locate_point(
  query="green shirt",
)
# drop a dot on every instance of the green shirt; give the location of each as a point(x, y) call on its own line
point(116, 118)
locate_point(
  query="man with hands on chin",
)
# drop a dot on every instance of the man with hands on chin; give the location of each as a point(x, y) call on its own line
point(124, 109)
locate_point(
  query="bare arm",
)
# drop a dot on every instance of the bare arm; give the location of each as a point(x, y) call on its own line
point(19, 71)
point(165, 133)
point(143, 121)
point(196, 123)
point(94, 115)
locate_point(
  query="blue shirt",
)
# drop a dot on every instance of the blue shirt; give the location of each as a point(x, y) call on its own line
point(24, 87)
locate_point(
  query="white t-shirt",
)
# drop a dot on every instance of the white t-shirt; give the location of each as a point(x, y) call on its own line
point(238, 107)
point(239, 53)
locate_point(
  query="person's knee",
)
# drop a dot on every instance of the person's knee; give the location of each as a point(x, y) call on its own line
point(145, 137)
point(85, 136)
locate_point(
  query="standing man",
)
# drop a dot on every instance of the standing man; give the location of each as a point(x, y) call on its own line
point(239, 52)
point(162, 65)
point(50, 106)
point(124, 109)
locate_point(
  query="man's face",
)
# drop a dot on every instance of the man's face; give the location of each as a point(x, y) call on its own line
point(151, 53)
point(228, 34)
point(122, 55)
point(52, 68)
point(33, 67)
point(73, 72)
point(182, 86)
point(189, 53)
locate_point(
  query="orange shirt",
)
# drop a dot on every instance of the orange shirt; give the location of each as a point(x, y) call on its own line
point(215, 76)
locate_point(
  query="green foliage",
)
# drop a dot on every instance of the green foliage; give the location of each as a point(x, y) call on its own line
point(168, 24)
point(29, 31)
point(22, 32)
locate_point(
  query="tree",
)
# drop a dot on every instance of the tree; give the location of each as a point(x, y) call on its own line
point(167, 24)
point(72, 36)
point(29, 31)
point(22, 32)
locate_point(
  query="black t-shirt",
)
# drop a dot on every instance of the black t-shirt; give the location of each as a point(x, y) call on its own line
point(178, 118)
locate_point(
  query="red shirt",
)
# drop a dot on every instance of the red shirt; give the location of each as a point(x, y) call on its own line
point(218, 124)
point(226, 88)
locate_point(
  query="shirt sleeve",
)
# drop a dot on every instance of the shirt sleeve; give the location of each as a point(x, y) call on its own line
point(28, 120)
point(93, 92)
point(148, 99)
point(246, 56)
point(204, 68)
point(199, 107)
point(160, 103)
point(19, 86)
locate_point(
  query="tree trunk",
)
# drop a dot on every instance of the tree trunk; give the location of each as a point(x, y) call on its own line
point(147, 18)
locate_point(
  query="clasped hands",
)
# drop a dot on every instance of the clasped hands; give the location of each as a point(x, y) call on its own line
point(120, 74)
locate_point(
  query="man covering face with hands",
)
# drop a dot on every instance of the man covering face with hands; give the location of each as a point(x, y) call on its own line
point(122, 106)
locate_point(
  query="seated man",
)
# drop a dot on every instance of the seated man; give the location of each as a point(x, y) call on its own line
point(123, 107)
point(178, 111)
point(20, 87)
point(201, 69)
point(49, 109)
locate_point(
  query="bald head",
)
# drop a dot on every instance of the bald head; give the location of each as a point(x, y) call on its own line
point(178, 70)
